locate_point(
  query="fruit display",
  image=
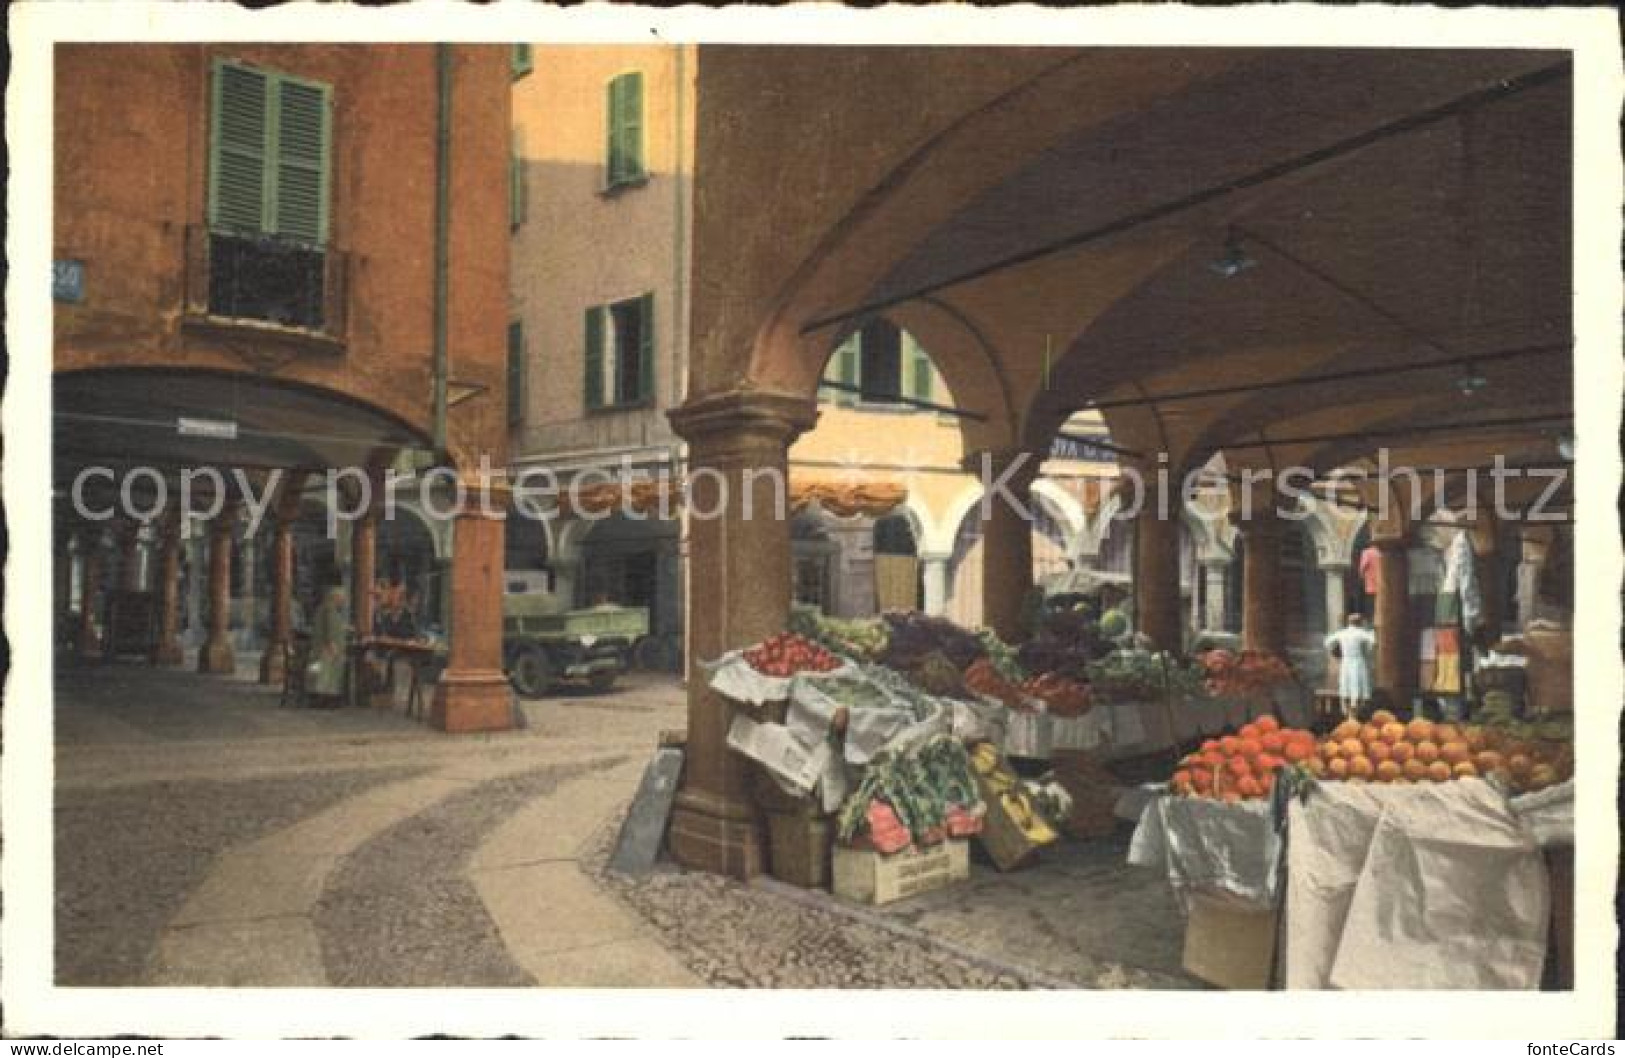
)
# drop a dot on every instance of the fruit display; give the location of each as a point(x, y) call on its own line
point(1062, 696)
point(1066, 643)
point(999, 783)
point(1249, 674)
point(911, 636)
point(1387, 750)
point(1243, 766)
point(787, 654)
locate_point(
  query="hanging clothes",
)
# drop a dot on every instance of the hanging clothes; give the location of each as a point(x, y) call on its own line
point(1447, 662)
point(1461, 583)
point(1370, 569)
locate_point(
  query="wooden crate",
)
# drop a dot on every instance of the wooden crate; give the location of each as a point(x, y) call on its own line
point(867, 877)
point(1229, 943)
point(798, 849)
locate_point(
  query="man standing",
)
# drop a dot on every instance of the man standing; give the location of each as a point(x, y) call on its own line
point(1353, 646)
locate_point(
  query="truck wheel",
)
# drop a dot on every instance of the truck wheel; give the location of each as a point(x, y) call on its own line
point(531, 674)
point(647, 654)
point(601, 681)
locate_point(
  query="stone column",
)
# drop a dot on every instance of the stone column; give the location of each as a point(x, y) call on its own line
point(217, 655)
point(167, 650)
point(1156, 578)
point(90, 638)
point(195, 586)
point(739, 593)
point(128, 535)
point(1337, 611)
point(1262, 627)
point(363, 569)
point(1007, 539)
point(273, 664)
point(1216, 582)
point(473, 693)
point(934, 566)
point(1396, 654)
point(566, 577)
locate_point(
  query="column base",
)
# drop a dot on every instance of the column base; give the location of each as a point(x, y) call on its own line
point(169, 654)
point(273, 665)
point(721, 838)
point(217, 658)
point(466, 702)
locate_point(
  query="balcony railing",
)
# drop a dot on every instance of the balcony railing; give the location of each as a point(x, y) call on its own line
point(255, 280)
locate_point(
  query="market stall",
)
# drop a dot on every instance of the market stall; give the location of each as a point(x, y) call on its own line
point(885, 748)
point(1383, 855)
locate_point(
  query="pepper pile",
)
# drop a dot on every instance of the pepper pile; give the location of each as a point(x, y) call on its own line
point(983, 678)
point(1063, 696)
point(787, 654)
point(1244, 675)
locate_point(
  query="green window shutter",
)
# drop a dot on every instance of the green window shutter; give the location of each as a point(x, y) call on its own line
point(846, 371)
point(646, 350)
point(516, 182)
point(238, 184)
point(624, 134)
point(594, 358)
point(302, 132)
point(632, 125)
point(520, 61)
point(516, 372)
point(919, 369)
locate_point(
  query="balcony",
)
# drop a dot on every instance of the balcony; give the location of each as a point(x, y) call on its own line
point(267, 288)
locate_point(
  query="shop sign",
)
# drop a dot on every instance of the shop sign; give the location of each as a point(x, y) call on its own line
point(213, 428)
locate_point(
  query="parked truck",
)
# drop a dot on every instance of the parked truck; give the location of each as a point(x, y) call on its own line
point(544, 645)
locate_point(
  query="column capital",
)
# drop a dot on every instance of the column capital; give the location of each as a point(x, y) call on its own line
point(741, 420)
point(999, 460)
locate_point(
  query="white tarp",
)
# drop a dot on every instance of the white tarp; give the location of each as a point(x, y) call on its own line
point(1413, 887)
point(1548, 814)
point(1208, 844)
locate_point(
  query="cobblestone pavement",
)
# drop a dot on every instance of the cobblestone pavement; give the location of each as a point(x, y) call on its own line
point(207, 837)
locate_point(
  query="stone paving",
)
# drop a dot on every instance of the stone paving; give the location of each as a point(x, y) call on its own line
point(206, 836)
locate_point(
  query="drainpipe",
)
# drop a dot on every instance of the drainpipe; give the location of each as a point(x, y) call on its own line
point(442, 220)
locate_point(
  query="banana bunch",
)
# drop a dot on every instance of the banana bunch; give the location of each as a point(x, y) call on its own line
point(1001, 785)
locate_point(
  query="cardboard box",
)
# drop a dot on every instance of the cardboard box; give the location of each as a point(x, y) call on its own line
point(867, 877)
point(1228, 942)
point(1005, 843)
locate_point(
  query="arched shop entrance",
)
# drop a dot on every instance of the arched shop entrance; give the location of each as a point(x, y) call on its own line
point(1174, 334)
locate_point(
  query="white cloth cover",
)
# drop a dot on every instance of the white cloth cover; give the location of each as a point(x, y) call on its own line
point(1413, 887)
point(1207, 844)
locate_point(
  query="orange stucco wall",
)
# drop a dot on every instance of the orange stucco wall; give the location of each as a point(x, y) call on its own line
point(131, 159)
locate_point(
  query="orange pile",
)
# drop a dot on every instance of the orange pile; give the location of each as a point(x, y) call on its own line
point(1385, 750)
point(1243, 766)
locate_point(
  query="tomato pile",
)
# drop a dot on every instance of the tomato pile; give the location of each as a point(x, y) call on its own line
point(1063, 696)
point(983, 678)
point(1243, 766)
point(1243, 675)
point(787, 654)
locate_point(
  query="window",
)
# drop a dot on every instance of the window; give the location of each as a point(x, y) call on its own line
point(516, 372)
point(269, 175)
point(624, 163)
point(516, 181)
point(620, 343)
point(883, 363)
point(519, 63)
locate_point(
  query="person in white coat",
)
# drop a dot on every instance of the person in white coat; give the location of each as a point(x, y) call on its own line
point(1353, 646)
